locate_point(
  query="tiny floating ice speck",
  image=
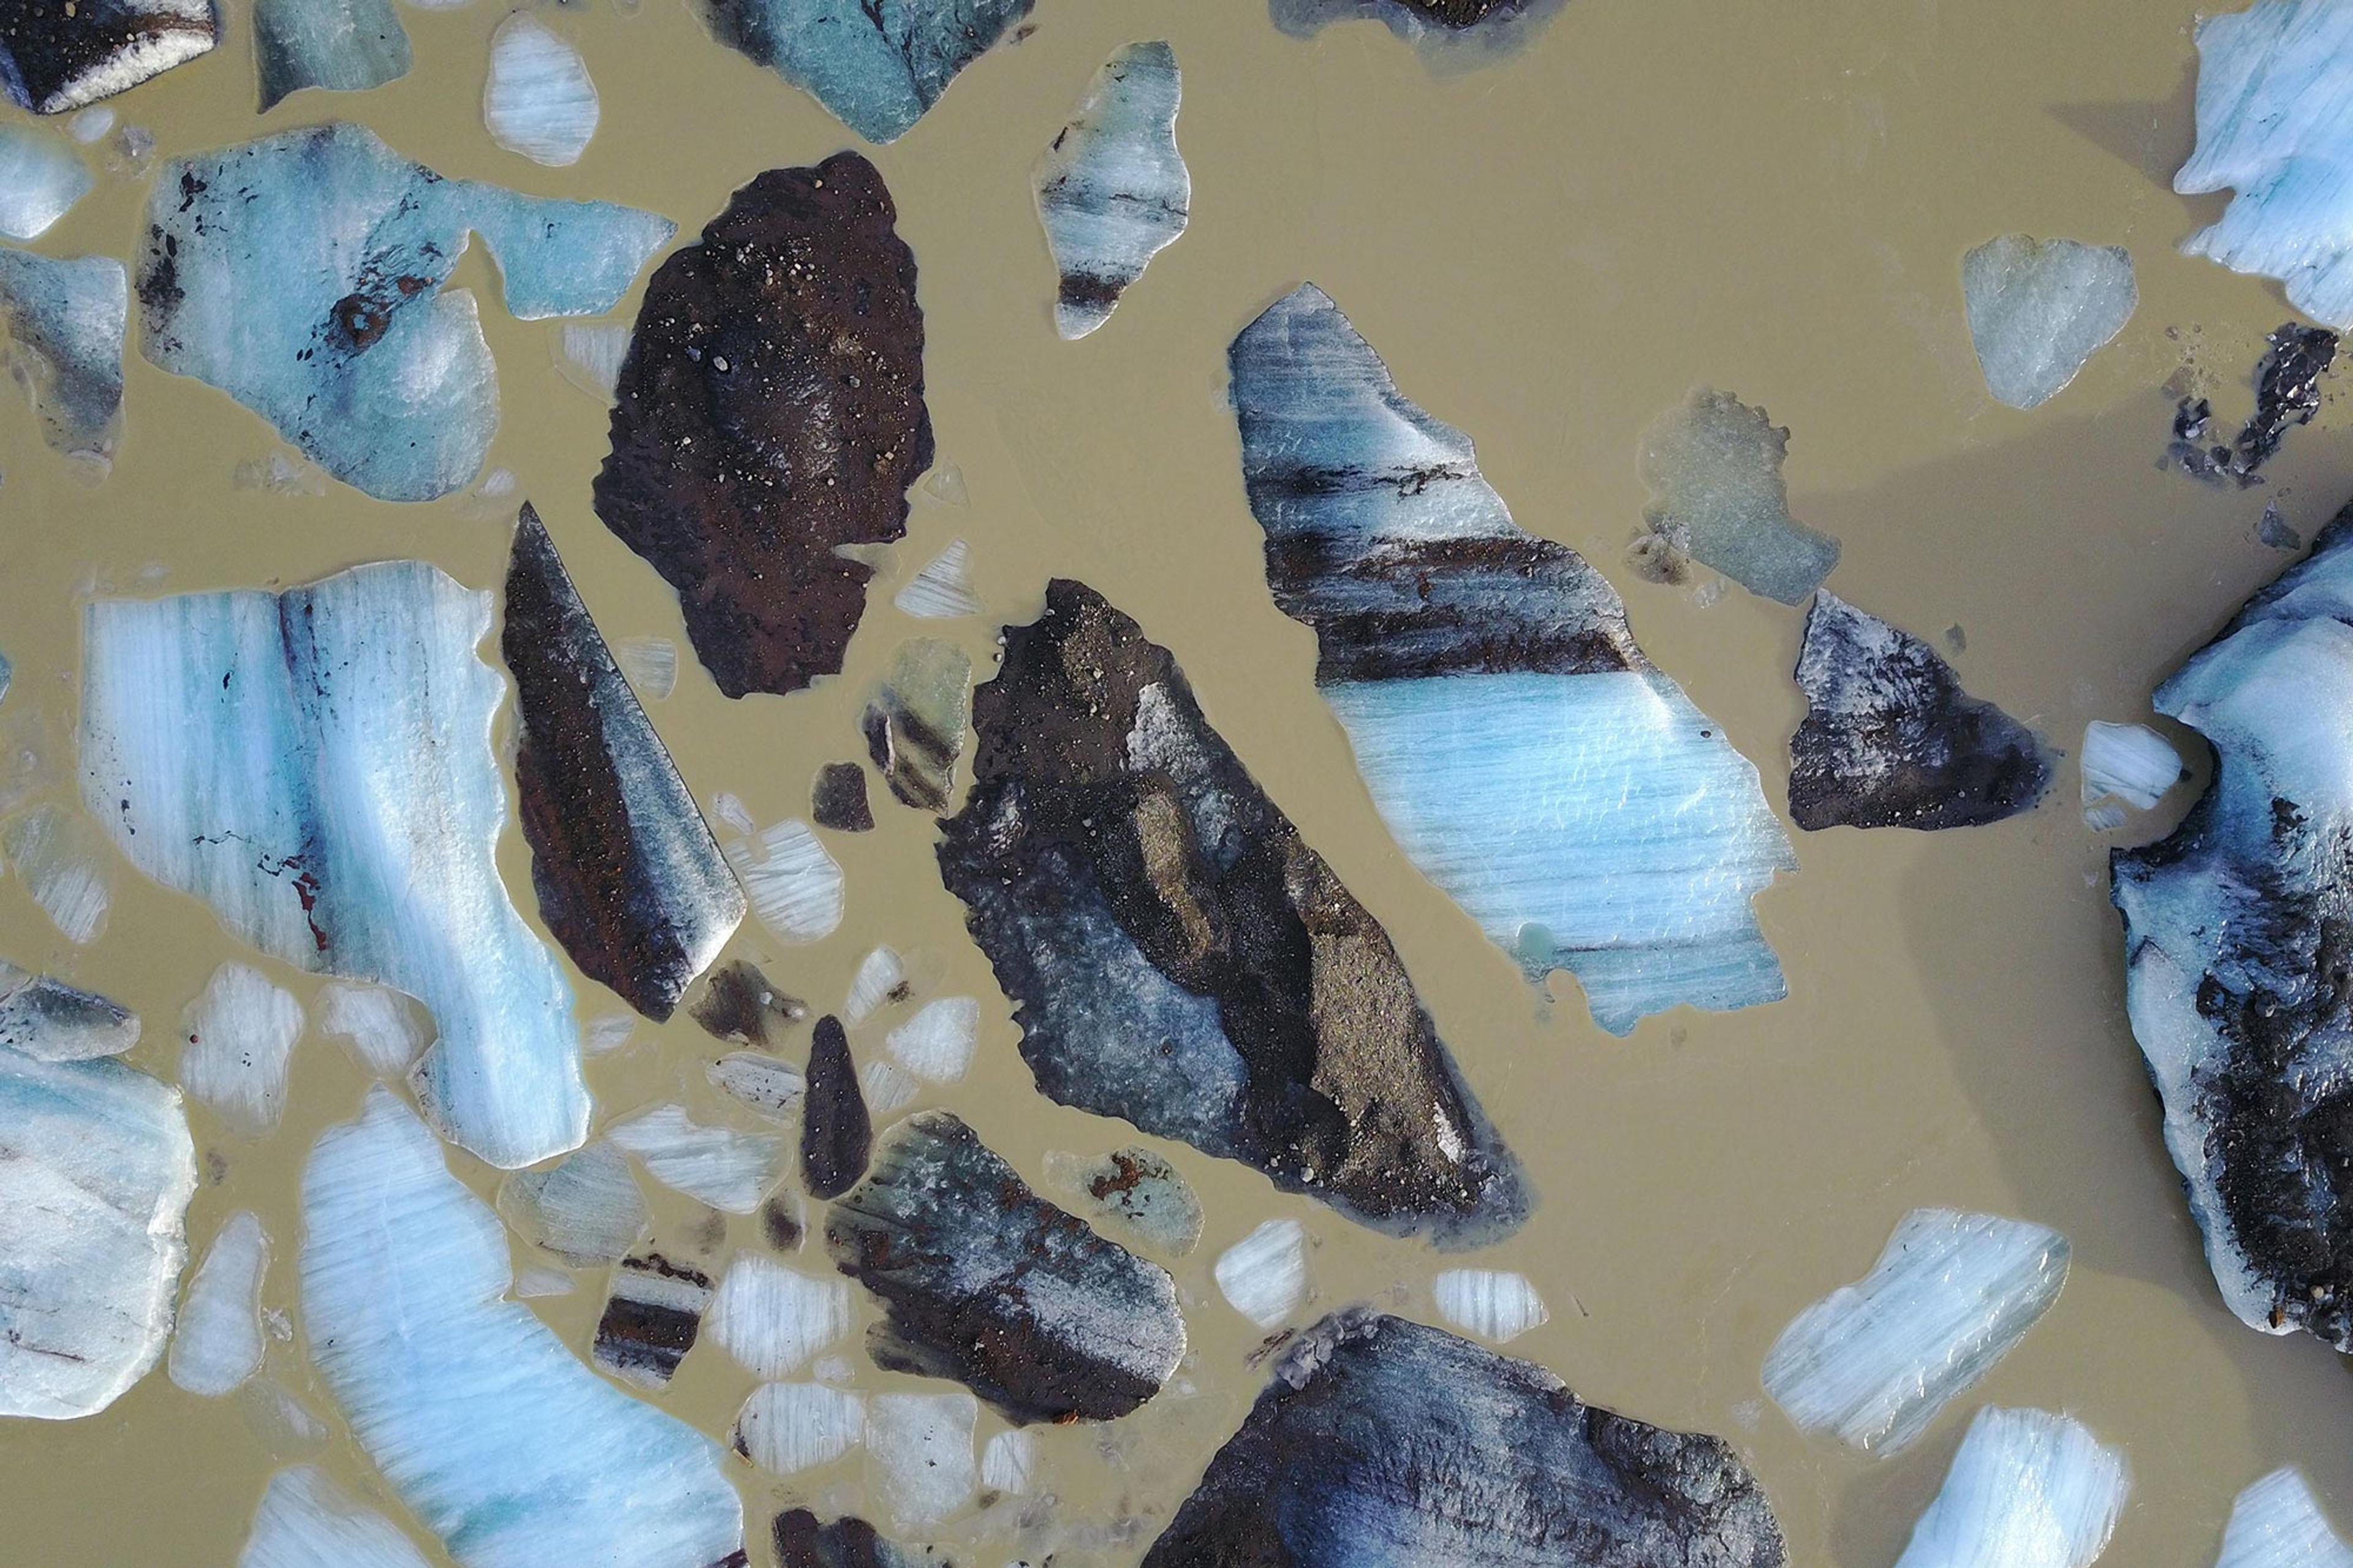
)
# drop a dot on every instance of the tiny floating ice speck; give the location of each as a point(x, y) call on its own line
point(1264, 1275)
point(539, 100)
point(217, 1344)
point(1489, 1303)
point(2027, 1490)
point(1112, 190)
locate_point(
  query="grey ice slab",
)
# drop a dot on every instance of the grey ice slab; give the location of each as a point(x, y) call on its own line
point(2040, 309)
point(1714, 465)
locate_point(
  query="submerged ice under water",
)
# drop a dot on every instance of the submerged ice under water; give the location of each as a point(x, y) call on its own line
point(2039, 309)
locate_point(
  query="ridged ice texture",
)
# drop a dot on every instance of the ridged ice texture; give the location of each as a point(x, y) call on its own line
point(1529, 759)
point(2275, 125)
point(41, 177)
point(68, 317)
point(2038, 309)
point(217, 1344)
point(2231, 926)
point(302, 274)
point(2027, 1490)
point(239, 1033)
point(585, 1208)
point(942, 590)
point(792, 885)
point(55, 853)
point(1264, 1275)
point(384, 1029)
point(1111, 188)
point(308, 1521)
point(317, 766)
point(771, 1318)
point(2131, 761)
point(495, 1435)
point(343, 45)
point(788, 1427)
point(1489, 1303)
point(936, 1044)
point(726, 1169)
point(876, 64)
point(2277, 1524)
point(56, 57)
point(539, 100)
point(93, 1203)
point(50, 1021)
point(1872, 1362)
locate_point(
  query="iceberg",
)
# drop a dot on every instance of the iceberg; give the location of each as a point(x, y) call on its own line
point(55, 853)
point(1111, 188)
point(2039, 309)
point(1264, 1275)
point(919, 1455)
point(876, 65)
point(308, 1521)
point(240, 1034)
point(652, 1317)
point(2277, 1524)
point(788, 1427)
point(915, 725)
point(2027, 1490)
point(837, 1133)
point(539, 100)
point(1491, 1303)
point(772, 1319)
point(837, 797)
point(342, 45)
point(789, 880)
point(585, 1208)
point(942, 589)
point(716, 1165)
point(802, 1541)
point(61, 57)
point(1714, 465)
point(385, 1030)
point(41, 177)
point(68, 318)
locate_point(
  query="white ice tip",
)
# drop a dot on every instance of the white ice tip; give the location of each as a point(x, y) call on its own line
point(589, 355)
point(2131, 761)
point(919, 1452)
point(1009, 1462)
point(219, 1342)
point(386, 1031)
point(942, 590)
point(728, 1170)
point(308, 1521)
point(40, 178)
point(1264, 1275)
point(651, 663)
point(55, 854)
point(879, 978)
point(788, 1427)
point(887, 1089)
point(771, 1318)
point(2027, 1490)
point(539, 100)
point(1491, 1304)
point(936, 1043)
point(239, 1033)
point(792, 885)
point(2277, 1524)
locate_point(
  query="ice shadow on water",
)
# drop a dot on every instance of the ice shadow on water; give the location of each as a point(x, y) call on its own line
point(2154, 136)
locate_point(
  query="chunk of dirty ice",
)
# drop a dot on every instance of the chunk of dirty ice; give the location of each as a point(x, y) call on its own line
point(56, 57)
point(51, 1021)
point(1178, 957)
point(41, 177)
point(68, 319)
point(316, 765)
point(2027, 1490)
point(715, 386)
point(217, 1344)
point(915, 725)
point(2273, 529)
point(876, 65)
point(942, 589)
point(498, 1439)
point(651, 663)
point(769, 1085)
point(1527, 757)
point(2277, 1524)
point(881, 978)
point(791, 884)
point(52, 853)
point(985, 1282)
point(788, 1427)
point(1490, 1303)
point(740, 1003)
point(652, 1316)
point(1113, 191)
point(919, 1458)
point(588, 354)
point(2131, 761)
point(539, 100)
point(385, 1030)
point(837, 1133)
point(2038, 309)
point(1714, 465)
point(94, 1206)
point(936, 1044)
point(802, 1541)
point(838, 798)
point(1008, 1462)
point(1890, 740)
point(302, 275)
point(585, 1208)
point(308, 1521)
point(2287, 393)
point(341, 46)
point(1136, 1188)
point(1380, 1440)
point(1872, 1362)
point(239, 1033)
point(2272, 82)
point(1264, 1275)
point(771, 1318)
point(726, 1169)
point(629, 879)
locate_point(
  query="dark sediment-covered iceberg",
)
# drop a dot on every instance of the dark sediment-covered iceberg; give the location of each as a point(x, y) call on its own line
point(770, 410)
point(1180, 958)
point(1380, 1440)
point(877, 65)
point(1528, 758)
point(56, 56)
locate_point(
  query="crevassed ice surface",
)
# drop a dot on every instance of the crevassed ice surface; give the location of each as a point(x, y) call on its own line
point(307, 1522)
point(2027, 1490)
point(302, 274)
point(2038, 309)
point(316, 765)
point(343, 45)
point(93, 1204)
point(41, 177)
point(492, 1431)
point(1112, 190)
point(69, 315)
point(1872, 1362)
point(539, 100)
point(2275, 125)
point(2277, 1524)
point(876, 64)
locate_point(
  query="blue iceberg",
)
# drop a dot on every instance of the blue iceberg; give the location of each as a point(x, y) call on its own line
point(68, 318)
point(876, 64)
point(308, 1521)
point(2027, 1490)
point(343, 45)
point(1112, 190)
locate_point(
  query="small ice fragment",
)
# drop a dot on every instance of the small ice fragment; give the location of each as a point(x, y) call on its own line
point(1872, 1362)
point(2040, 309)
point(386, 1031)
point(838, 798)
point(651, 663)
point(50, 1021)
point(68, 319)
point(937, 1042)
point(769, 1085)
point(731, 810)
point(2106, 816)
point(919, 1455)
point(589, 354)
point(585, 1208)
point(887, 1089)
point(837, 1133)
point(915, 725)
point(285, 1426)
point(2277, 1524)
point(739, 1004)
point(771, 1318)
point(606, 1033)
point(2027, 1490)
point(56, 57)
point(40, 179)
point(539, 100)
point(533, 1283)
point(280, 473)
point(2273, 529)
point(2129, 760)
point(880, 978)
point(726, 1169)
point(942, 590)
point(1714, 465)
point(945, 484)
point(341, 46)
point(783, 1221)
point(651, 1319)
point(1111, 188)
point(239, 1033)
point(1008, 1463)
point(788, 1427)
point(91, 124)
point(51, 851)
point(1489, 1303)
point(217, 1344)
point(1264, 1275)
point(308, 1521)
point(876, 66)
point(794, 886)
point(1136, 1188)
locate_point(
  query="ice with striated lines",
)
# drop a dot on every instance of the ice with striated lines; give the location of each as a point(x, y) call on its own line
point(539, 100)
point(308, 1521)
point(342, 45)
point(239, 1033)
point(1112, 190)
point(728, 1170)
point(2277, 1524)
point(2027, 1490)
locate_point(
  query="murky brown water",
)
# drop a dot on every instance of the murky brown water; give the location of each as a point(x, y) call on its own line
point(1658, 194)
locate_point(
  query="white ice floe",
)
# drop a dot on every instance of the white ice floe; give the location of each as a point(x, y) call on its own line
point(1008, 1463)
point(585, 1208)
point(533, 1283)
point(771, 1318)
point(788, 1427)
point(308, 1521)
point(52, 853)
point(1112, 190)
point(385, 1029)
point(726, 1169)
point(40, 180)
point(91, 125)
point(1488, 1303)
point(2027, 1490)
point(1264, 1275)
point(240, 1034)
point(589, 355)
point(651, 663)
point(887, 1089)
point(2131, 761)
point(879, 976)
point(606, 1033)
point(2277, 1524)
point(794, 886)
point(539, 100)
point(936, 1044)
point(2040, 309)
point(1872, 1362)
point(919, 1455)
point(942, 590)
point(219, 1342)
point(770, 1086)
